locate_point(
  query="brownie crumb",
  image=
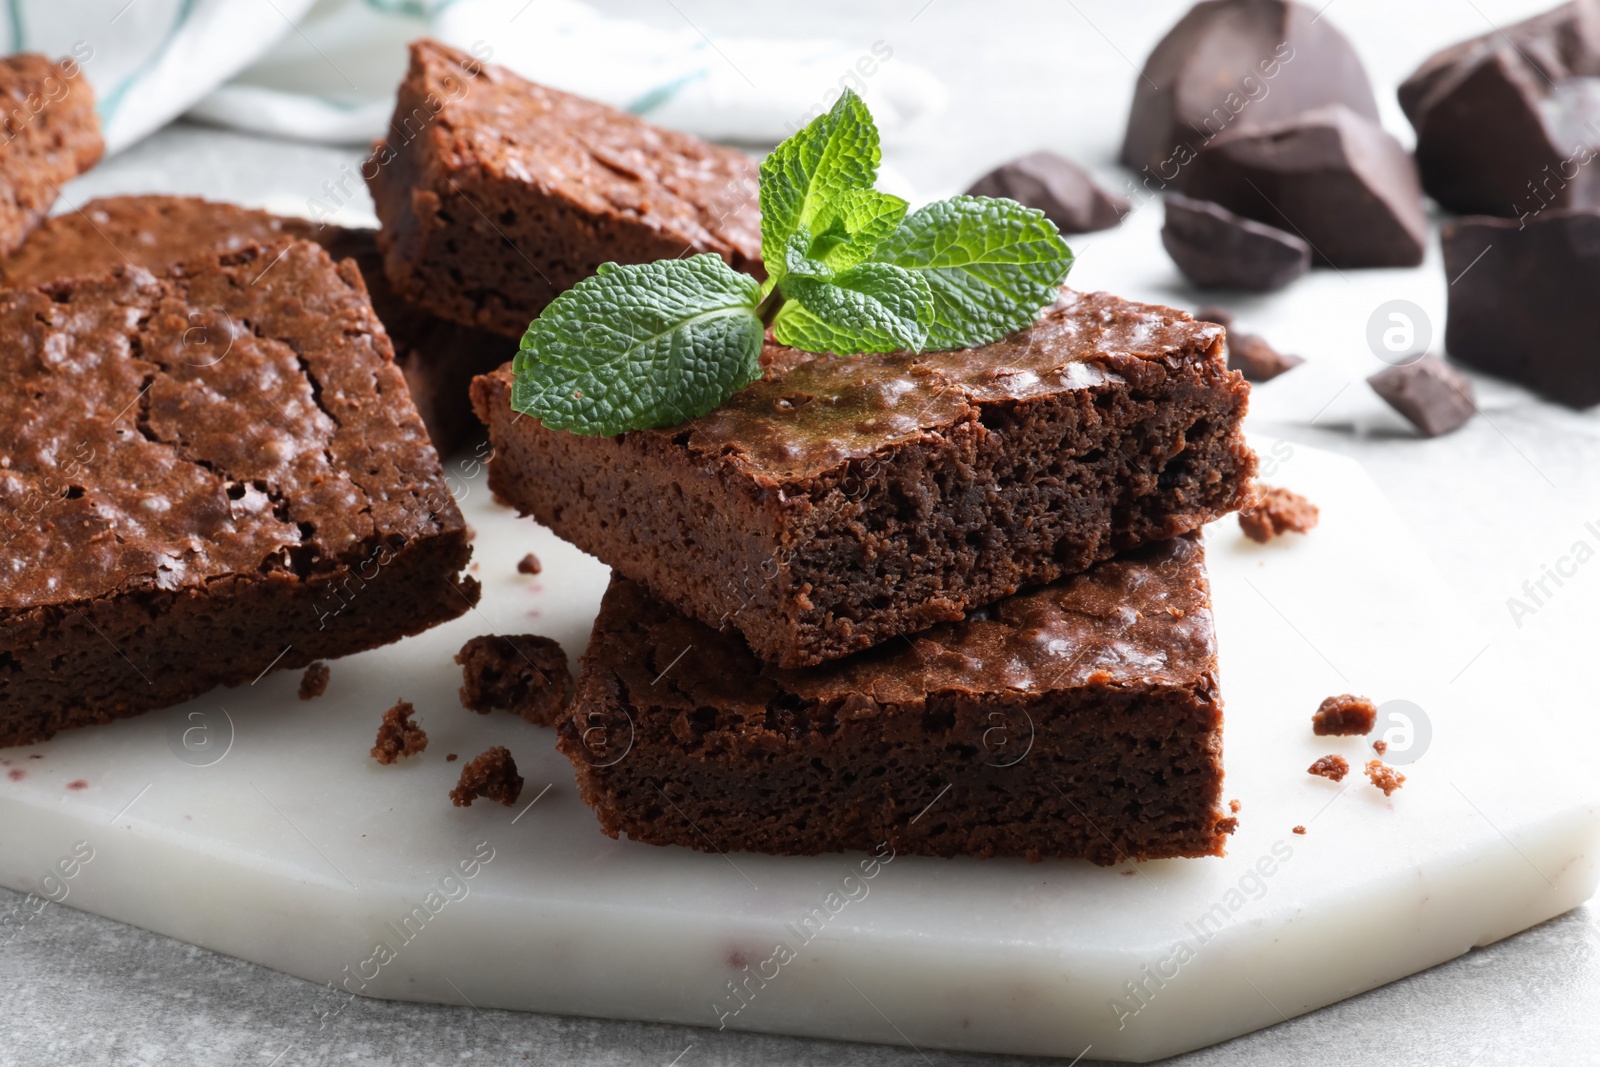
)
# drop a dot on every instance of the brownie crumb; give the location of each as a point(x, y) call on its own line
point(314, 682)
point(529, 564)
point(1344, 716)
point(1380, 747)
point(1300, 830)
point(1272, 511)
point(1333, 767)
point(451, 758)
point(491, 774)
point(399, 736)
point(1217, 314)
point(1227, 826)
point(1234, 806)
point(520, 672)
point(1384, 777)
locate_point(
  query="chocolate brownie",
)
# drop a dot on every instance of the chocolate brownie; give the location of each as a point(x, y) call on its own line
point(50, 135)
point(1078, 720)
point(492, 774)
point(846, 500)
point(438, 358)
point(523, 673)
point(170, 524)
point(398, 736)
point(497, 195)
point(1344, 716)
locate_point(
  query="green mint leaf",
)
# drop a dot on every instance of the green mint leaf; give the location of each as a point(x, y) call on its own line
point(852, 227)
point(872, 307)
point(990, 263)
point(638, 346)
point(834, 154)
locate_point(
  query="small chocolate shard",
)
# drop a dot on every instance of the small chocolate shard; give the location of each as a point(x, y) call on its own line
point(1504, 121)
point(1331, 176)
point(1237, 64)
point(1258, 361)
point(1217, 249)
point(1432, 395)
point(491, 774)
point(1522, 301)
point(1066, 193)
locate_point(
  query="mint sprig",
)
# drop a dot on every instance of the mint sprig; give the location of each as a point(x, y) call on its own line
point(848, 271)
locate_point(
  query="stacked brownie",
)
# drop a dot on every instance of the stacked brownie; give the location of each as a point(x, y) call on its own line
point(948, 602)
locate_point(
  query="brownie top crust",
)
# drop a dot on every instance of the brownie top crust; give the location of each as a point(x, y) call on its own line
point(146, 231)
point(241, 415)
point(811, 414)
point(1138, 621)
point(599, 158)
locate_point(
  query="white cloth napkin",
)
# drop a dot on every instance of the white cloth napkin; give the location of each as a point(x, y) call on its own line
point(327, 70)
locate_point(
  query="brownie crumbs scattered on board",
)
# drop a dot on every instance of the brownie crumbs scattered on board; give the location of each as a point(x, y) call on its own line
point(1234, 806)
point(529, 564)
point(1331, 767)
point(523, 673)
point(1300, 830)
point(1272, 511)
point(314, 682)
point(1384, 777)
point(1346, 715)
point(1380, 747)
point(399, 736)
point(492, 774)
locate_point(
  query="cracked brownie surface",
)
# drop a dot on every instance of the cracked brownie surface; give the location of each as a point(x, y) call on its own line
point(206, 474)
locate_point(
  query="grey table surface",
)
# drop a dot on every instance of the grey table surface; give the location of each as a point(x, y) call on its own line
point(1493, 503)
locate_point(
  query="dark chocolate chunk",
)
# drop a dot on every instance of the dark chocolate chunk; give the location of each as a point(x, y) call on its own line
point(1522, 301)
point(1064, 191)
point(1505, 121)
point(1236, 64)
point(1331, 176)
point(1217, 314)
point(1217, 249)
point(1430, 393)
point(1252, 356)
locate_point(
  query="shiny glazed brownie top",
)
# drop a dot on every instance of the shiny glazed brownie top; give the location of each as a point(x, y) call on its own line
point(1138, 621)
point(146, 231)
point(604, 160)
point(241, 416)
point(816, 412)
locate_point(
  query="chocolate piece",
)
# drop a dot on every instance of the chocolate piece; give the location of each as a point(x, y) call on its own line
point(1258, 361)
point(491, 774)
point(1522, 301)
point(314, 682)
point(497, 194)
point(1334, 178)
point(1384, 777)
point(1078, 720)
point(169, 523)
point(529, 564)
point(1217, 249)
point(523, 673)
point(1064, 191)
point(844, 501)
point(1272, 511)
point(1334, 767)
point(1217, 314)
point(438, 358)
point(50, 136)
point(1346, 715)
point(1505, 121)
point(1431, 394)
point(1236, 64)
point(398, 736)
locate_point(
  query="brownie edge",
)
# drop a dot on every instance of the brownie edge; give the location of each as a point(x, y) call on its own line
point(1082, 720)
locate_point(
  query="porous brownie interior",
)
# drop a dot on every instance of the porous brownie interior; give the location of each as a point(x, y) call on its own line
point(1077, 720)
